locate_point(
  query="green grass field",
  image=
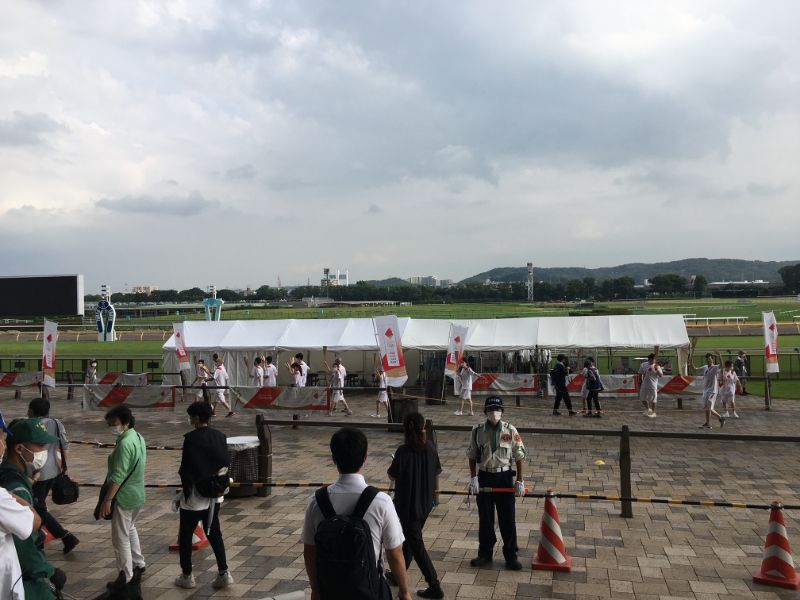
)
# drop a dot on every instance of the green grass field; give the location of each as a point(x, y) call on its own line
point(784, 307)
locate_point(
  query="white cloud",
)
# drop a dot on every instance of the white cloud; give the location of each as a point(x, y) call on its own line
point(394, 138)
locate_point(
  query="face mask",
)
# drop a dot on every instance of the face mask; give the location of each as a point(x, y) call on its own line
point(494, 416)
point(38, 461)
point(118, 430)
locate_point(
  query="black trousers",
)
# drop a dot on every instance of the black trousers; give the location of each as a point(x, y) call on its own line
point(414, 547)
point(40, 491)
point(189, 520)
point(506, 517)
point(562, 394)
point(593, 395)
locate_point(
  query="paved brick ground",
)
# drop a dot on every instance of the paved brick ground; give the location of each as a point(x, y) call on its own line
point(664, 552)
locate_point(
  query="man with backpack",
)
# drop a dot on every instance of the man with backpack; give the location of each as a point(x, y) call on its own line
point(344, 528)
point(558, 377)
point(204, 481)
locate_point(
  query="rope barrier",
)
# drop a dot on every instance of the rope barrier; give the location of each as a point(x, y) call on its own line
point(707, 503)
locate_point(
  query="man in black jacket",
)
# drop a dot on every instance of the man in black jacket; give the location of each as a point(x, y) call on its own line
point(558, 377)
point(203, 471)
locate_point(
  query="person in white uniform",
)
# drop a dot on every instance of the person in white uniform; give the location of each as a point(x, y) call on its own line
point(649, 372)
point(202, 376)
point(338, 377)
point(257, 372)
point(730, 386)
point(222, 380)
point(383, 394)
point(710, 373)
point(466, 376)
point(270, 374)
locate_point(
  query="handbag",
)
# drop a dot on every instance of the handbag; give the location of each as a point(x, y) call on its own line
point(65, 490)
point(101, 497)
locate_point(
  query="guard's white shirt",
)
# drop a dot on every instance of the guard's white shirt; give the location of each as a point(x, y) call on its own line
point(197, 502)
point(384, 525)
point(17, 520)
point(270, 375)
point(650, 374)
point(710, 378)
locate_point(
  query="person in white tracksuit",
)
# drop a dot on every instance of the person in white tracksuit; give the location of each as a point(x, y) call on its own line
point(465, 375)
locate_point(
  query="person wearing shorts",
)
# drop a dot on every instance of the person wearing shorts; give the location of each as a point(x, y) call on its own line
point(465, 375)
point(338, 375)
point(203, 375)
point(383, 394)
point(649, 372)
point(728, 387)
point(222, 380)
point(710, 373)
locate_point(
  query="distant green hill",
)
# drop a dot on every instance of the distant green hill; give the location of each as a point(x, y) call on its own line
point(714, 269)
point(391, 282)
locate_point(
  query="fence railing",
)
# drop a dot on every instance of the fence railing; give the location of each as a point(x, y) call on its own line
point(624, 434)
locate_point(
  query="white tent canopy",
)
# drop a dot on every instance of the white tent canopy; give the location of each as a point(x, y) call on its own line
point(624, 331)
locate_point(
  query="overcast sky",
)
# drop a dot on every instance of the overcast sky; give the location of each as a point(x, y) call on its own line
point(229, 143)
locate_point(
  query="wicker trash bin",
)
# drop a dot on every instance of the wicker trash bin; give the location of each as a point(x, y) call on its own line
point(243, 452)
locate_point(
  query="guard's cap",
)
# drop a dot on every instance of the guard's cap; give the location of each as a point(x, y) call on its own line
point(493, 403)
point(31, 430)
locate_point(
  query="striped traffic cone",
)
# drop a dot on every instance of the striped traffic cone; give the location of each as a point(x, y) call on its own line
point(777, 568)
point(551, 555)
point(48, 537)
point(199, 540)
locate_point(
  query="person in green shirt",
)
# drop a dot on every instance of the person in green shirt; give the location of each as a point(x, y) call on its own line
point(126, 465)
point(27, 453)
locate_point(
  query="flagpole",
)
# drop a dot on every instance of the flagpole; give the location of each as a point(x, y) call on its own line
point(444, 370)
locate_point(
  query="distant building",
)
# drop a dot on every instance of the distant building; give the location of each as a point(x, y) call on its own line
point(423, 280)
point(329, 278)
point(756, 283)
point(144, 289)
point(445, 283)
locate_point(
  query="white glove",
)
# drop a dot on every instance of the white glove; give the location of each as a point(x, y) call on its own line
point(519, 489)
point(472, 488)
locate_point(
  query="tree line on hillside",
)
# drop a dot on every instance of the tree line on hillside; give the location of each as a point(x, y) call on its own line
point(587, 288)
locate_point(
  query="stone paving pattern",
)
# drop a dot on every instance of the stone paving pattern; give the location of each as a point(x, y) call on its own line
point(663, 553)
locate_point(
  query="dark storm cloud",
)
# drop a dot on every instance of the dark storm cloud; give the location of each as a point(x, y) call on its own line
point(186, 206)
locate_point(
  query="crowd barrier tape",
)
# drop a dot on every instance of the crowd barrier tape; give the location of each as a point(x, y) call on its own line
point(299, 398)
point(628, 385)
point(130, 379)
point(707, 503)
point(20, 379)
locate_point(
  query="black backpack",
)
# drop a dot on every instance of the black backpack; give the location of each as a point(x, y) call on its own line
point(347, 568)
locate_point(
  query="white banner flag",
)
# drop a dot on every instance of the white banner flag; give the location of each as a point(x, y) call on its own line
point(770, 342)
point(49, 353)
point(387, 331)
point(180, 347)
point(455, 349)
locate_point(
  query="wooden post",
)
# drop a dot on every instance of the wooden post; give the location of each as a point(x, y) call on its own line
point(295, 417)
point(519, 403)
point(430, 433)
point(625, 472)
point(680, 403)
point(70, 389)
point(264, 455)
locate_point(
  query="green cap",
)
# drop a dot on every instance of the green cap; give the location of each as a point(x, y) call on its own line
point(31, 430)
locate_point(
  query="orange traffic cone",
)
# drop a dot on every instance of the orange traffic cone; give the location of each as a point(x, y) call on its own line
point(551, 555)
point(199, 540)
point(777, 568)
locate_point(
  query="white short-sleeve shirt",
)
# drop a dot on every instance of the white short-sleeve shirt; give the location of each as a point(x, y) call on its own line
point(221, 379)
point(465, 376)
point(338, 376)
point(15, 520)
point(729, 381)
point(384, 525)
point(710, 378)
point(650, 374)
point(258, 375)
point(270, 375)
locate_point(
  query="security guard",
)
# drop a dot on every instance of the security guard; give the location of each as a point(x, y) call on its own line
point(493, 445)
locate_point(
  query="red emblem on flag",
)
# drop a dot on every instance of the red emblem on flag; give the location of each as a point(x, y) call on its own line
point(389, 333)
point(457, 339)
point(49, 338)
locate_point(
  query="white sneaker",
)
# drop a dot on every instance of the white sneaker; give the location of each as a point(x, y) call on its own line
point(471, 414)
point(735, 416)
point(727, 414)
point(648, 412)
point(222, 581)
point(458, 413)
point(652, 415)
point(376, 416)
point(185, 581)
